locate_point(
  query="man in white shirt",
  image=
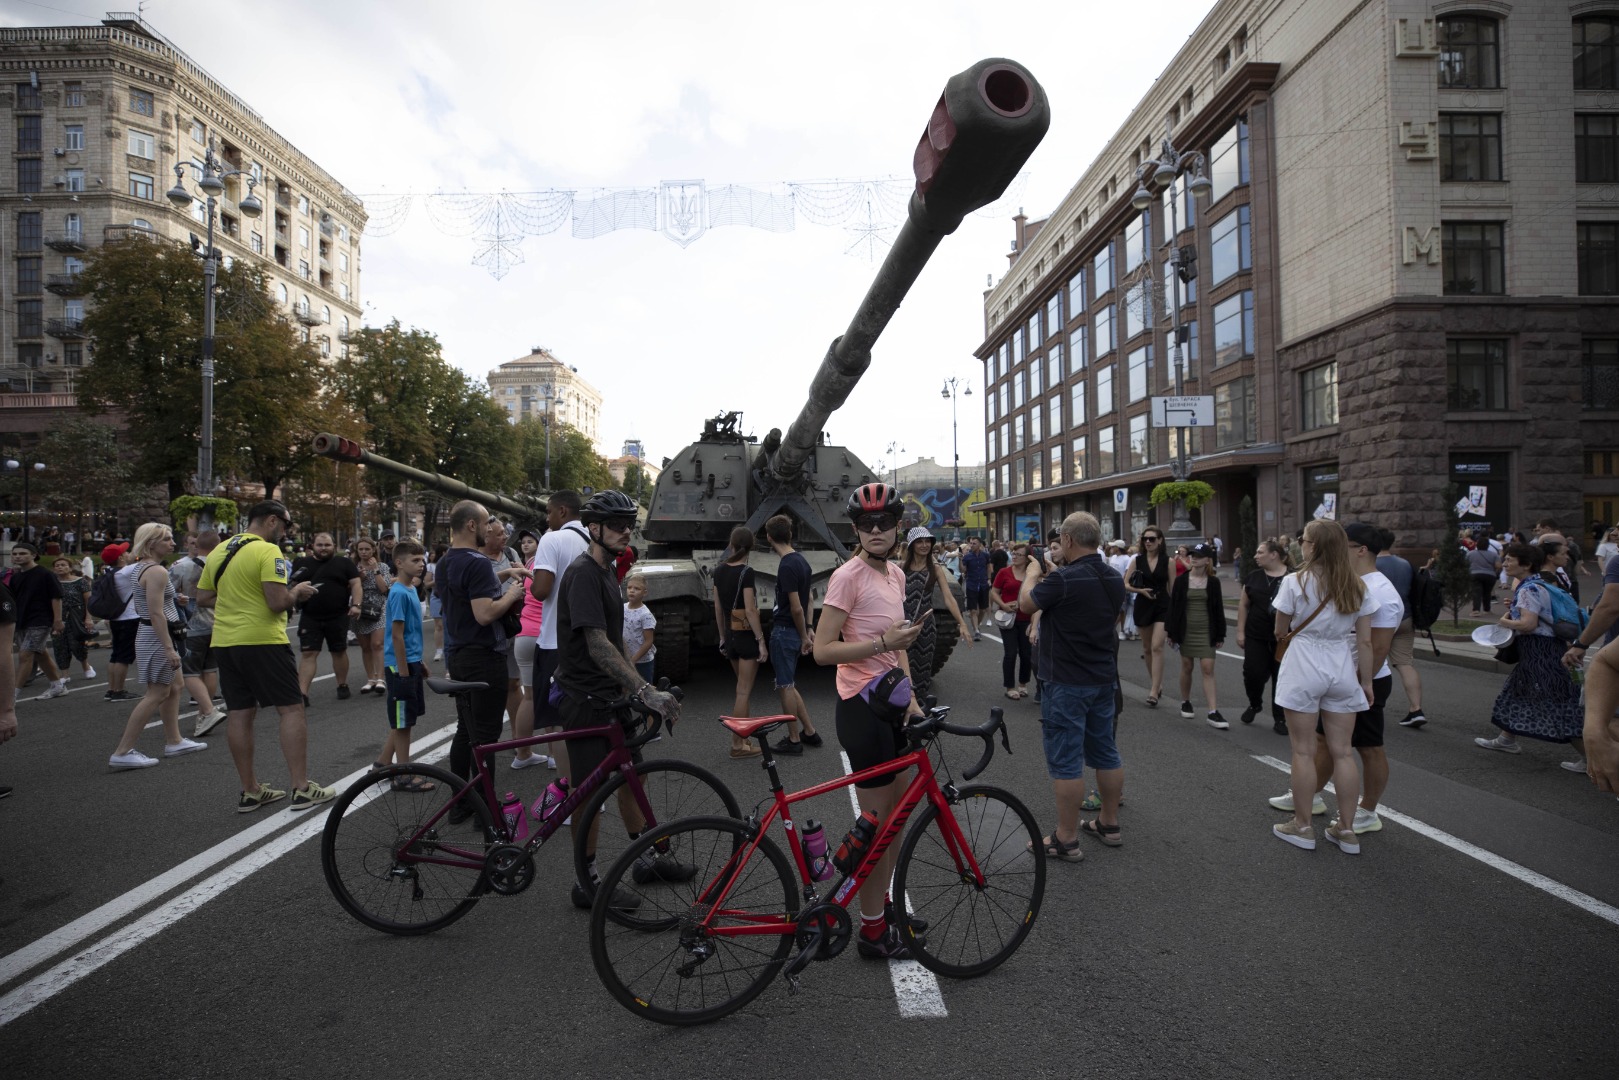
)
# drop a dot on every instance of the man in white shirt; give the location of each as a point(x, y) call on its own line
point(564, 541)
point(1119, 559)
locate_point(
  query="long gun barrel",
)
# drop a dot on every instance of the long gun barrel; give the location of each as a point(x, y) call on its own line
point(987, 122)
point(340, 449)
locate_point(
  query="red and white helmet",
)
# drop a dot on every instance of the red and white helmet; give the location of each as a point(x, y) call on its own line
point(873, 499)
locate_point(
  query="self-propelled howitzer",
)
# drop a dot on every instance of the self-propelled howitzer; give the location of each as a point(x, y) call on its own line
point(521, 509)
point(987, 122)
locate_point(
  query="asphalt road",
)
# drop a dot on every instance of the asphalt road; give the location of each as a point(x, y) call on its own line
point(148, 930)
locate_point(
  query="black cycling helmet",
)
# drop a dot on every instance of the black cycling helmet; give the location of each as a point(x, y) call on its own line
point(873, 499)
point(606, 505)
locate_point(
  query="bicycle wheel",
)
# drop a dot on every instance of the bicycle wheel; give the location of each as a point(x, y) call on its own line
point(382, 884)
point(972, 928)
point(679, 959)
point(675, 790)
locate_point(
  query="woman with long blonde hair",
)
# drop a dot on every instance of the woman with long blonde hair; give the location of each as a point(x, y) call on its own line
point(1323, 613)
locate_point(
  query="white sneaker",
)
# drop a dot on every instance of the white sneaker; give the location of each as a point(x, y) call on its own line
point(1366, 821)
point(132, 760)
point(57, 689)
point(1318, 805)
point(550, 763)
point(184, 746)
point(89, 673)
point(205, 724)
point(1501, 742)
point(529, 762)
point(438, 654)
point(1577, 765)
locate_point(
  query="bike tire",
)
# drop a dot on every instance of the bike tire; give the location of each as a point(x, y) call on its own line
point(675, 789)
point(637, 959)
point(359, 852)
point(971, 930)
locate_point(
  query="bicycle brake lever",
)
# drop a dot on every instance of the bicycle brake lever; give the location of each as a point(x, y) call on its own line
point(1006, 743)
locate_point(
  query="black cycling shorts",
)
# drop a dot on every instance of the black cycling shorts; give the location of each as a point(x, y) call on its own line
point(586, 755)
point(314, 632)
point(253, 676)
point(123, 640)
point(867, 738)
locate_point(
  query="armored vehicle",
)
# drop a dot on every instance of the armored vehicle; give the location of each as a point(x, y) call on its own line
point(522, 509)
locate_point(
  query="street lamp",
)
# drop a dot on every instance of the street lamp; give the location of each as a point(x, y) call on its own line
point(1161, 172)
point(211, 180)
point(551, 399)
point(894, 450)
point(952, 393)
point(14, 466)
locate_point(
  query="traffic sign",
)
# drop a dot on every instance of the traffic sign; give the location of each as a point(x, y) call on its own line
point(1179, 412)
point(1121, 500)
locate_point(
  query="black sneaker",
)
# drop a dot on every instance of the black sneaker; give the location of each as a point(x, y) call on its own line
point(1248, 715)
point(814, 740)
point(1414, 719)
point(1218, 721)
point(649, 868)
point(119, 695)
point(622, 901)
point(1186, 710)
point(919, 927)
point(1280, 727)
point(785, 745)
point(343, 692)
point(5, 790)
point(887, 947)
point(460, 812)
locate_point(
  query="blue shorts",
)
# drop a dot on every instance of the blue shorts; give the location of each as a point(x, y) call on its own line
point(977, 597)
point(1077, 724)
point(784, 646)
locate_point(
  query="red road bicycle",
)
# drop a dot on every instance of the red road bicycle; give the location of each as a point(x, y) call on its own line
point(971, 870)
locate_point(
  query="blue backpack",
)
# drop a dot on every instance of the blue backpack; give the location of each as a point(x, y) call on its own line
point(1567, 617)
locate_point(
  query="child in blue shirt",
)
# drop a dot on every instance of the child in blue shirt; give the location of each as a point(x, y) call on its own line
point(402, 641)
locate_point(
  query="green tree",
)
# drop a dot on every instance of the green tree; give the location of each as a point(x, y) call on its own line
point(1451, 569)
point(90, 471)
point(637, 485)
point(574, 461)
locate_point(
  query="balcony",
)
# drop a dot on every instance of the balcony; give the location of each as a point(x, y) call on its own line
point(66, 329)
point(64, 284)
point(68, 242)
point(37, 401)
point(283, 198)
point(115, 234)
point(307, 316)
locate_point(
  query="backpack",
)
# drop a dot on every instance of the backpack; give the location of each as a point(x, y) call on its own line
point(105, 602)
point(1568, 618)
point(1427, 600)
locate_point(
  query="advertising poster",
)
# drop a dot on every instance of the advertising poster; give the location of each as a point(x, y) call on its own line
point(1026, 527)
point(1327, 510)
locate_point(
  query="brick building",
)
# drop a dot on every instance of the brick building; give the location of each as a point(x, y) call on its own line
point(1407, 271)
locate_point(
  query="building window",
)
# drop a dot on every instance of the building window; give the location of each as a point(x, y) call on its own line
point(303, 268)
point(1104, 330)
point(1054, 319)
point(1598, 249)
point(1476, 374)
point(72, 354)
point(74, 179)
point(256, 241)
point(1076, 293)
point(1006, 438)
point(1036, 471)
point(28, 275)
point(1035, 367)
point(1469, 52)
point(281, 293)
point(343, 291)
point(1469, 146)
point(1076, 459)
point(1599, 373)
point(1006, 399)
point(303, 205)
point(1017, 346)
point(1018, 431)
point(1185, 213)
point(28, 97)
point(1140, 449)
point(28, 317)
point(140, 185)
point(140, 101)
point(1137, 309)
point(343, 262)
point(1228, 160)
point(1036, 424)
point(1102, 268)
point(142, 144)
point(1137, 240)
point(1104, 390)
point(73, 137)
point(1236, 420)
point(1017, 389)
point(30, 134)
point(1054, 414)
point(28, 174)
point(1139, 361)
point(1054, 372)
point(1076, 404)
point(1189, 349)
point(1596, 148)
point(1318, 397)
point(1173, 283)
point(1231, 243)
point(1019, 483)
point(1107, 461)
point(1596, 53)
point(1056, 467)
point(199, 133)
point(1474, 259)
point(303, 237)
point(1234, 327)
point(73, 95)
point(30, 235)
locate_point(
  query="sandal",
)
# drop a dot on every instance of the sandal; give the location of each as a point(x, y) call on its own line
point(1014, 694)
point(1152, 701)
point(1056, 849)
point(416, 785)
point(1108, 834)
point(1093, 802)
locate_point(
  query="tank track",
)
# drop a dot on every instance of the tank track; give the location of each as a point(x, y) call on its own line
point(674, 647)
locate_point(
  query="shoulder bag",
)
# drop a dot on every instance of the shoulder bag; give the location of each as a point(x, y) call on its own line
point(1287, 639)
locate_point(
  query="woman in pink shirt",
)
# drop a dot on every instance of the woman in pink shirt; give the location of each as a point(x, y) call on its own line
point(863, 631)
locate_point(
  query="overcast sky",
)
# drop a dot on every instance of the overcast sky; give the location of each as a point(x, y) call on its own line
point(409, 96)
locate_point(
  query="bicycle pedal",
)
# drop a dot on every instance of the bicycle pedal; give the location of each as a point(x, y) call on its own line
point(792, 984)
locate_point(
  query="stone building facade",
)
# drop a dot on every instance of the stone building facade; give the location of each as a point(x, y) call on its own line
point(1407, 277)
point(542, 387)
point(95, 119)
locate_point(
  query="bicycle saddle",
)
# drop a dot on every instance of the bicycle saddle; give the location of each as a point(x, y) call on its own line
point(450, 686)
point(748, 726)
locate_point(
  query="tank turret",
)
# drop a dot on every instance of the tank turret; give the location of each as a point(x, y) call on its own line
point(985, 125)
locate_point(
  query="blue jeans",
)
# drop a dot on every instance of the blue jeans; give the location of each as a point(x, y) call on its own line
point(1077, 725)
point(645, 668)
point(784, 646)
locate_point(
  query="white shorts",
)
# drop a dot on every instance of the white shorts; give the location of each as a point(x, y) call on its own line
point(1319, 677)
point(523, 653)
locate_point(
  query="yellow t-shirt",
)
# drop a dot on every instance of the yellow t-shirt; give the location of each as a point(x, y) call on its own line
point(241, 616)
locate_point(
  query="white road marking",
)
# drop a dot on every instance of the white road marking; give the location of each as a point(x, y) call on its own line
point(1488, 858)
point(915, 987)
point(91, 923)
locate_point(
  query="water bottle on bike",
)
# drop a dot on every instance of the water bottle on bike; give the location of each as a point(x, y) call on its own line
point(511, 811)
point(814, 837)
point(854, 845)
point(551, 798)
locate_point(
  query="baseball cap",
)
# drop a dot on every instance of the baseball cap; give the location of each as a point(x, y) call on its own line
point(1202, 551)
point(1363, 534)
point(920, 532)
point(1117, 544)
point(112, 553)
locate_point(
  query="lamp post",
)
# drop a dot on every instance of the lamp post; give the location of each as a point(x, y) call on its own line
point(1161, 172)
point(894, 451)
point(14, 466)
point(953, 394)
point(211, 181)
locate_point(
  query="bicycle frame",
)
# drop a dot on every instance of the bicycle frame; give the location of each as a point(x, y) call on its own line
point(923, 785)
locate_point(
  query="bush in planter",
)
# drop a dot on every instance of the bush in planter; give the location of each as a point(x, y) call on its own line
point(1194, 493)
point(187, 507)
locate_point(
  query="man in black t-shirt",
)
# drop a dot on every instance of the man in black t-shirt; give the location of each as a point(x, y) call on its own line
point(324, 619)
point(790, 635)
point(592, 670)
point(38, 596)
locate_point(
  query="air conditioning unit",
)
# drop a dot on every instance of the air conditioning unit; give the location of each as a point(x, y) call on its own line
point(59, 152)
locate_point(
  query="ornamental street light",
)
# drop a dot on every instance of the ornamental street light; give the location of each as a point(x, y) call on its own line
point(210, 179)
point(551, 399)
point(1160, 173)
point(894, 450)
point(14, 466)
point(953, 394)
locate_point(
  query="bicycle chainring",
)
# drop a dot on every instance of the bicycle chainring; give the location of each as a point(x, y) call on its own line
point(509, 869)
point(835, 925)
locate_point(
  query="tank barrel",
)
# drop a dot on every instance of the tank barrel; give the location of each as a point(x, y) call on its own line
point(340, 449)
point(986, 124)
